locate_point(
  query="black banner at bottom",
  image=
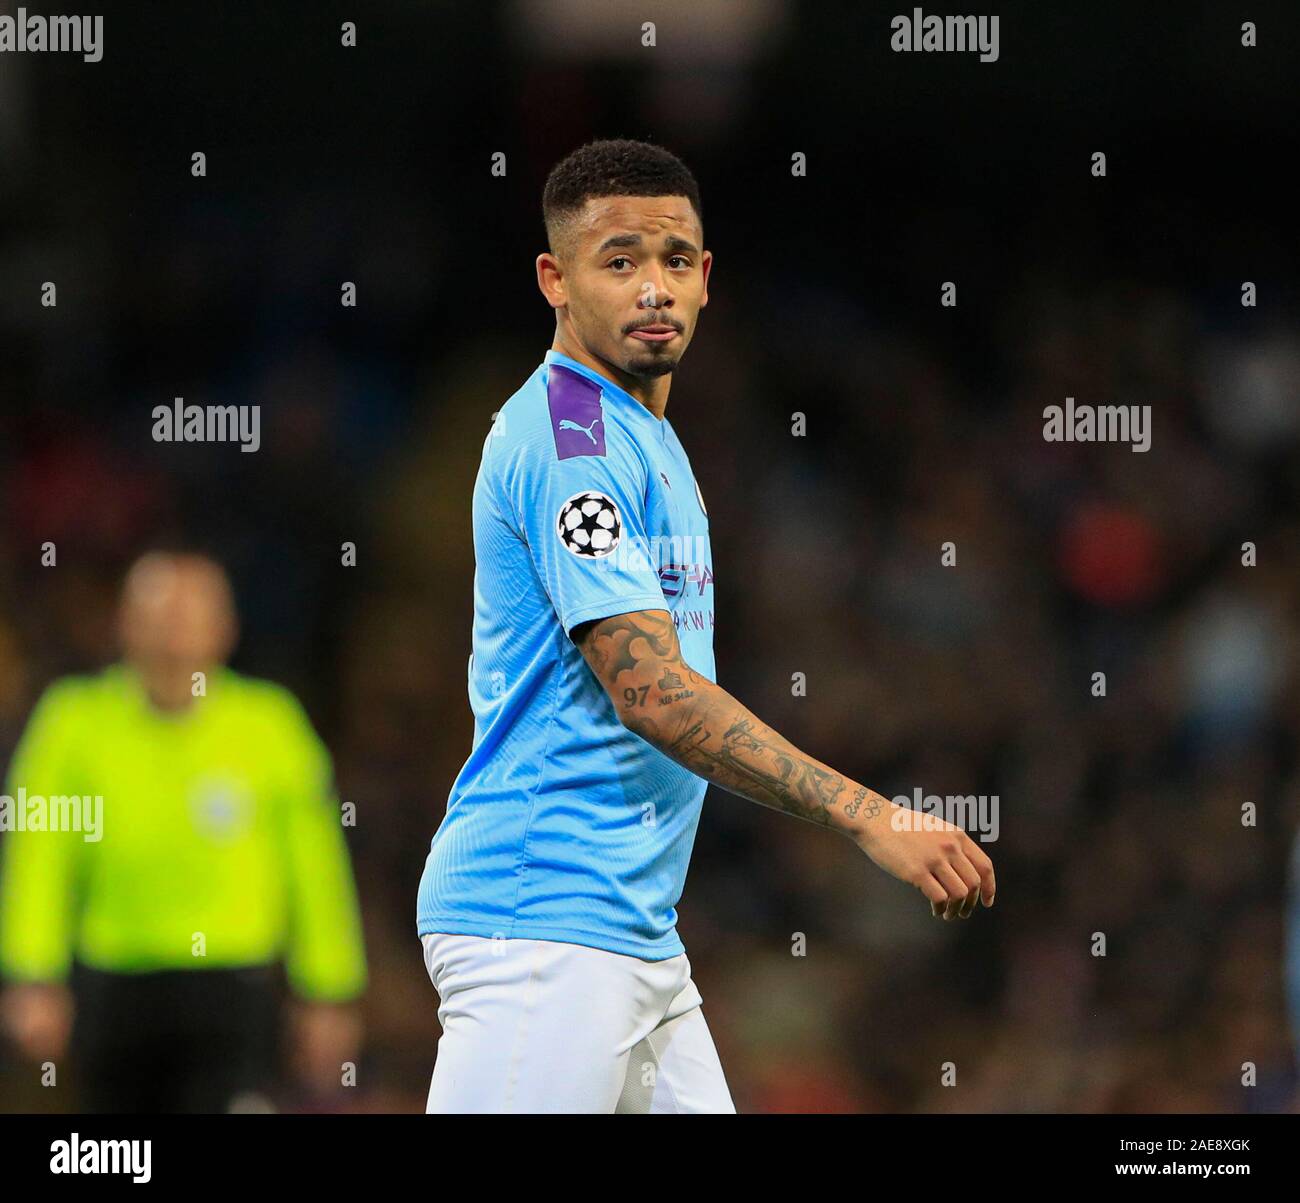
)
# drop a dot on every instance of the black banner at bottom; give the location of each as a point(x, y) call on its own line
point(367, 1151)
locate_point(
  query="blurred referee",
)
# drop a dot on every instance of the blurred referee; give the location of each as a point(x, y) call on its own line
point(220, 854)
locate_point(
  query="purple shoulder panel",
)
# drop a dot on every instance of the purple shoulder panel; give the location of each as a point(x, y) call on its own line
point(576, 418)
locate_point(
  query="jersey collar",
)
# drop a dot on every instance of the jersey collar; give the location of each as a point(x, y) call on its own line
point(608, 387)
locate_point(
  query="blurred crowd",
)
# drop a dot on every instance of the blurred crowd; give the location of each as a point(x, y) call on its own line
point(1120, 814)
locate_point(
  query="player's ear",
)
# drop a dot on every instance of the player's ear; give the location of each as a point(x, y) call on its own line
point(550, 280)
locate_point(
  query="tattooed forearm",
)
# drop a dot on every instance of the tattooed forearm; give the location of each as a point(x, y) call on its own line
point(752, 760)
point(701, 726)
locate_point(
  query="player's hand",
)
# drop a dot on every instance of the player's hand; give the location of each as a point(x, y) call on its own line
point(940, 860)
point(325, 1035)
point(38, 1018)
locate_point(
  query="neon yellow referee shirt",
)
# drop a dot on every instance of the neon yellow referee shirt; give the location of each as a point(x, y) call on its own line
point(220, 843)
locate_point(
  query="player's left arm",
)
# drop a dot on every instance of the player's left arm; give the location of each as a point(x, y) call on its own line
point(325, 950)
point(637, 658)
point(325, 957)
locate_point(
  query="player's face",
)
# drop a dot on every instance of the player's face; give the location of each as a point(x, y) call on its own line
point(635, 281)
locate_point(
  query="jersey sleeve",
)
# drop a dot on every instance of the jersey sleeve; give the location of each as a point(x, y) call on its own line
point(582, 513)
point(325, 953)
point(38, 873)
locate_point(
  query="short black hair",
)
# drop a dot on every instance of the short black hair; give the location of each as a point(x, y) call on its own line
point(613, 167)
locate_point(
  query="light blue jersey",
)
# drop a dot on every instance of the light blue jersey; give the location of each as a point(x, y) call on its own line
point(563, 825)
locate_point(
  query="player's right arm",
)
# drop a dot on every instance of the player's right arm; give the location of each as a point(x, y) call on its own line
point(657, 695)
point(38, 871)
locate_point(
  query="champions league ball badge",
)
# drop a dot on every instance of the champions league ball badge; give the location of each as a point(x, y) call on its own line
point(589, 525)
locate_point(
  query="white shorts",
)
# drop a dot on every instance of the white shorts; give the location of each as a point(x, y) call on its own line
point(537, 1025)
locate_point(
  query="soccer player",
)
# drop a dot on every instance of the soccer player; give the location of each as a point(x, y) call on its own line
point(547, 904)
point(217, 851)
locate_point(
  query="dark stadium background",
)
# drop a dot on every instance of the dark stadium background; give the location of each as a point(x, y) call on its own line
point(923, 425)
